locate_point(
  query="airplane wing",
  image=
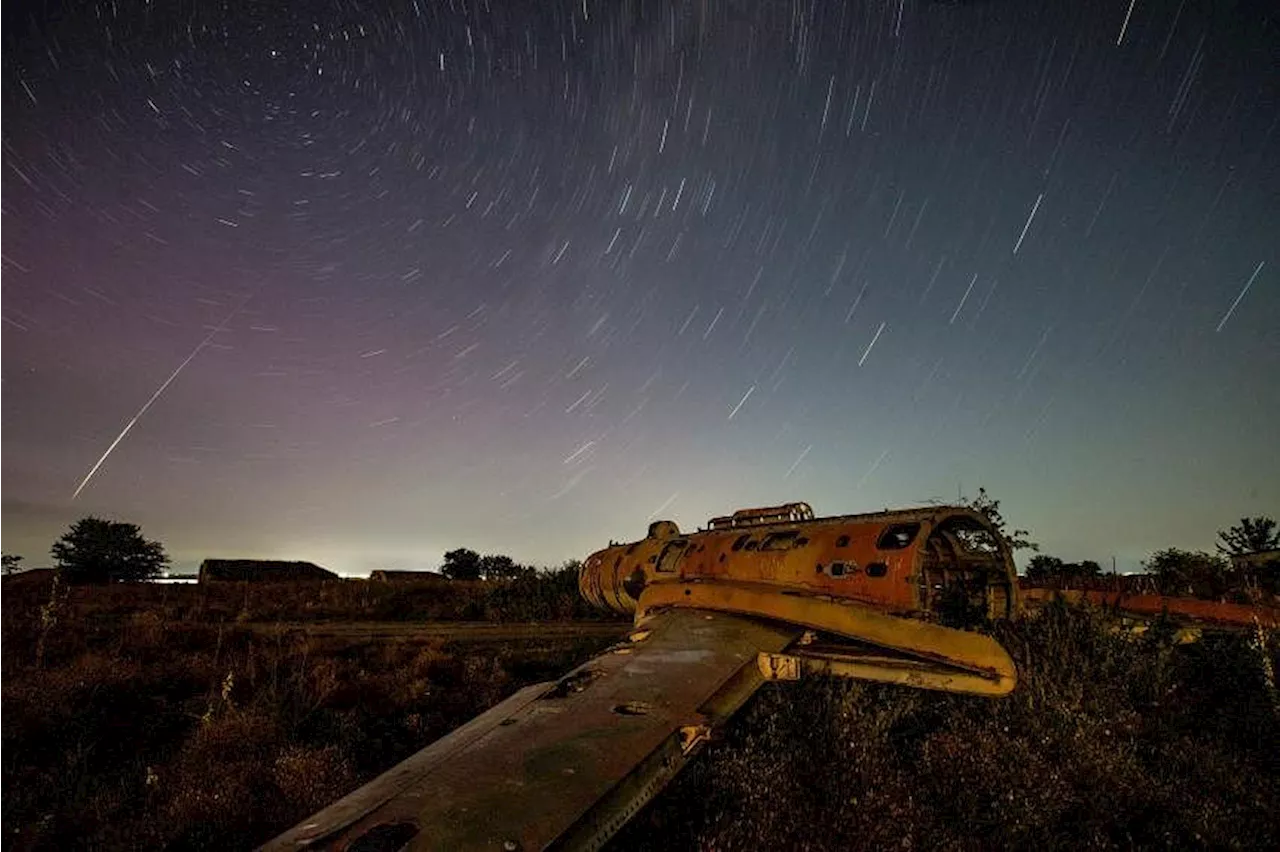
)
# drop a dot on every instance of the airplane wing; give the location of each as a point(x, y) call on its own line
point(563, 764)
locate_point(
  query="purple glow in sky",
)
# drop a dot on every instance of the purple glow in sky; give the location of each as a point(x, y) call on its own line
point(521, 276)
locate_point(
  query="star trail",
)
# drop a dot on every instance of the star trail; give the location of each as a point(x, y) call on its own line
point(519, 276)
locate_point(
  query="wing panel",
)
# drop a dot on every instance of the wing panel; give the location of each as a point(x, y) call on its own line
point(560, 761)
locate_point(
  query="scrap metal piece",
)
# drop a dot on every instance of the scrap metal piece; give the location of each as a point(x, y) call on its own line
point(880, 666)
point(1195, 610)
point(965, 659)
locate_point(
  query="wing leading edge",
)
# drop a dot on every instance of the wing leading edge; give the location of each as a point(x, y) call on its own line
point(562, 764)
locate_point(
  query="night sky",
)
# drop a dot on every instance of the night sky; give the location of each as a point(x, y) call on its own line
point(521, 277)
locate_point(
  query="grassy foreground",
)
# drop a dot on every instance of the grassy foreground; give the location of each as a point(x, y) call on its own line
point(1107, 743)
point(164, 717)
point(168, 717)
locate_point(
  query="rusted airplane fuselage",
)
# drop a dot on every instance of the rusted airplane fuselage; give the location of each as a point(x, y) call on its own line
point(763, 594)
point(895, 581)
point(904, 562)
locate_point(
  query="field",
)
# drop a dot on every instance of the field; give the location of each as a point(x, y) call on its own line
point(187, 717)
point(142, 716)
point(1107, 743)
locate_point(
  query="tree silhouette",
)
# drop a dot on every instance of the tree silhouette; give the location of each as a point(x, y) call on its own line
point(1045, 569)
point(1185, 572)
point(100, 551)
point(1088, 568)
point(985, 504)
point(11, 563)
point(461, 564)
point(1251, 535)
point(1042, 568)
point(499, 567)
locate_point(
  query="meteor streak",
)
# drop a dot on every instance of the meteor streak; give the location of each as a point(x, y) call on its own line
point(143, 410)
point(1023, 235)
point(1231, 310)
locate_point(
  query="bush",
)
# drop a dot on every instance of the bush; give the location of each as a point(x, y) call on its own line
point(158, 722)
point(1107, 742)
point(146, 729)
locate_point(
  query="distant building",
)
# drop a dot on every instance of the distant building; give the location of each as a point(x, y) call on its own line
point(30, 575)
point(385, 576)
point(262, 571)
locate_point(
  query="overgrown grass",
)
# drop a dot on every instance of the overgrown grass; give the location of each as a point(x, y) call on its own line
point(137, 726)
point(160, 718)
point(546, 596)
point(1108, 743)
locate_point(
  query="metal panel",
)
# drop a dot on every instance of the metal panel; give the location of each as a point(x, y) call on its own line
point(563, 762)
point(802, 550)
point(971, 652)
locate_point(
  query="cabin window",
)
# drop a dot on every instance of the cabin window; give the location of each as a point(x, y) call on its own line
point(898, 536)
point(671, 555)
point(877, 569)
point(842, 541)
point(801, 542)
point(838, 569)
point(780, 540)
point(741, 540)
point(751, 545)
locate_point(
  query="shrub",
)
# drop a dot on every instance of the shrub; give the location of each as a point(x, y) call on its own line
point(1108, 742)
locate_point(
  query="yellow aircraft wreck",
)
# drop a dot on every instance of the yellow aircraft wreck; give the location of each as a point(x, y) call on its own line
point(762, 594)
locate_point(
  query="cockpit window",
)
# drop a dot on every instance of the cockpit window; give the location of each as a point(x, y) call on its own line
point(780, 540)
point(898, 536)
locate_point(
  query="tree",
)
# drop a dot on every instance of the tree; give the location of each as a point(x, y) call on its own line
point(11, 563)
point(984, 504)
point(1185, 572)
point(100, 551)
point(461, 564)
point(1089, 568)
point(498, 567)
point(1044, 568)
point(1050, 569)
point(1251, 535)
